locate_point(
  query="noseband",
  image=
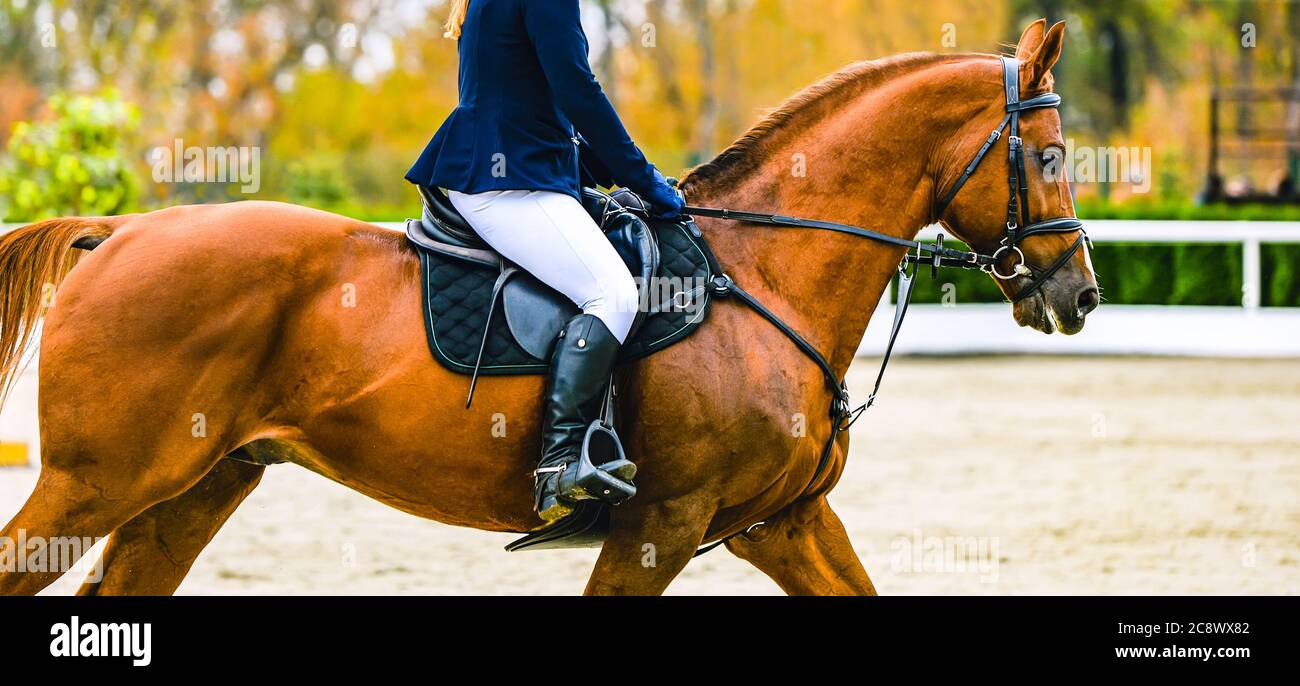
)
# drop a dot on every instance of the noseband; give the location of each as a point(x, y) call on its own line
point(1019, 226)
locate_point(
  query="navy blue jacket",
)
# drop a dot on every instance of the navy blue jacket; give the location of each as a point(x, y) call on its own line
point(526, 91)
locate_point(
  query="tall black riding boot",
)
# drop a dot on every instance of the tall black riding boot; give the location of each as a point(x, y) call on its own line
point(572, 470)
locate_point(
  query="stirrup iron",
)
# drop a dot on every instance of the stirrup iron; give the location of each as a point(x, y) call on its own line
point(602, 470)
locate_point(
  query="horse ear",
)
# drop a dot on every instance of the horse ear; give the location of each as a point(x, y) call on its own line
point(1031, 39)
point(1038, 65)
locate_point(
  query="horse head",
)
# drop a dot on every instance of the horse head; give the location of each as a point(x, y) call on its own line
point(1043, 264)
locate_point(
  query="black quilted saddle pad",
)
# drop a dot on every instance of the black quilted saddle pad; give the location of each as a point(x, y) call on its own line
point(457, 294)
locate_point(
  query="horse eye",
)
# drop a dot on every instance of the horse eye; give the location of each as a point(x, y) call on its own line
point(1053, 159)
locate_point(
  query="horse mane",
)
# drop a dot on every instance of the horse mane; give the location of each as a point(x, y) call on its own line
point(742, 155)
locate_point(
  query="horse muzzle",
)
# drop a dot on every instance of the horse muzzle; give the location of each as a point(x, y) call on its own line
point(1062, 304)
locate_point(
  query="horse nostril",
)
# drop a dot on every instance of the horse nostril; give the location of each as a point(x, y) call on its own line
point(1089, 299)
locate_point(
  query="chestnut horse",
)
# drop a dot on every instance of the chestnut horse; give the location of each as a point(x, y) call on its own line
point(193, 333)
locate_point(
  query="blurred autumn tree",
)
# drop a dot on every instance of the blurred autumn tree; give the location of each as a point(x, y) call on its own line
point(211, 73)
point(340, 95)
point(74, 164)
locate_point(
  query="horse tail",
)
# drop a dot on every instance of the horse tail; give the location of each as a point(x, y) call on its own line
point(34, 260)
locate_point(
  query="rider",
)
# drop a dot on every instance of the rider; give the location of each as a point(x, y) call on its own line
point(513, 163)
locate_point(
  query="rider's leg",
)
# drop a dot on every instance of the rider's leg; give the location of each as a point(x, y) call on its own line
point(575, 394)
point(553, 238)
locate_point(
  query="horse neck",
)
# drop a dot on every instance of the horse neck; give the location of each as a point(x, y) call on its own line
point(868, 164)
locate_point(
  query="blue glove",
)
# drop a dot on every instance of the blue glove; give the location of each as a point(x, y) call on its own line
point(664, 200)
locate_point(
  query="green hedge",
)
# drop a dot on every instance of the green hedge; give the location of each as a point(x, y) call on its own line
point(1152, 274)
point(1185, 211)
point(1280, 268)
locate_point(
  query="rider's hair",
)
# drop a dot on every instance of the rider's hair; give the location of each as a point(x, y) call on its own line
point(457, 18)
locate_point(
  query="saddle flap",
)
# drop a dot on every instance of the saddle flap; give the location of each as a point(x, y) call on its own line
point(535, 314)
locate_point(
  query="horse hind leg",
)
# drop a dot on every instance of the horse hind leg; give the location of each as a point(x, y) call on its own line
point(152, 553)
point(57, 525)
point(91, 483)
point(806, 551)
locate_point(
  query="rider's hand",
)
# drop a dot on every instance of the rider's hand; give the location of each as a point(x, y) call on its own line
point(664, 200)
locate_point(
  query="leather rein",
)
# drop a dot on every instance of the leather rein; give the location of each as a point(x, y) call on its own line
point(936, 255)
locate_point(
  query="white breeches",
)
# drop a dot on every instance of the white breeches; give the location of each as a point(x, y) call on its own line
point(552, 237)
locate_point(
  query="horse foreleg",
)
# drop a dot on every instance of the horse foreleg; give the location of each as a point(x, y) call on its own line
point(806, 551)
point(152, 553)
point(648, 547)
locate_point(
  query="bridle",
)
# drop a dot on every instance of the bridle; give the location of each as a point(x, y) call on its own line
point(1019, 225)
point(936, 255)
